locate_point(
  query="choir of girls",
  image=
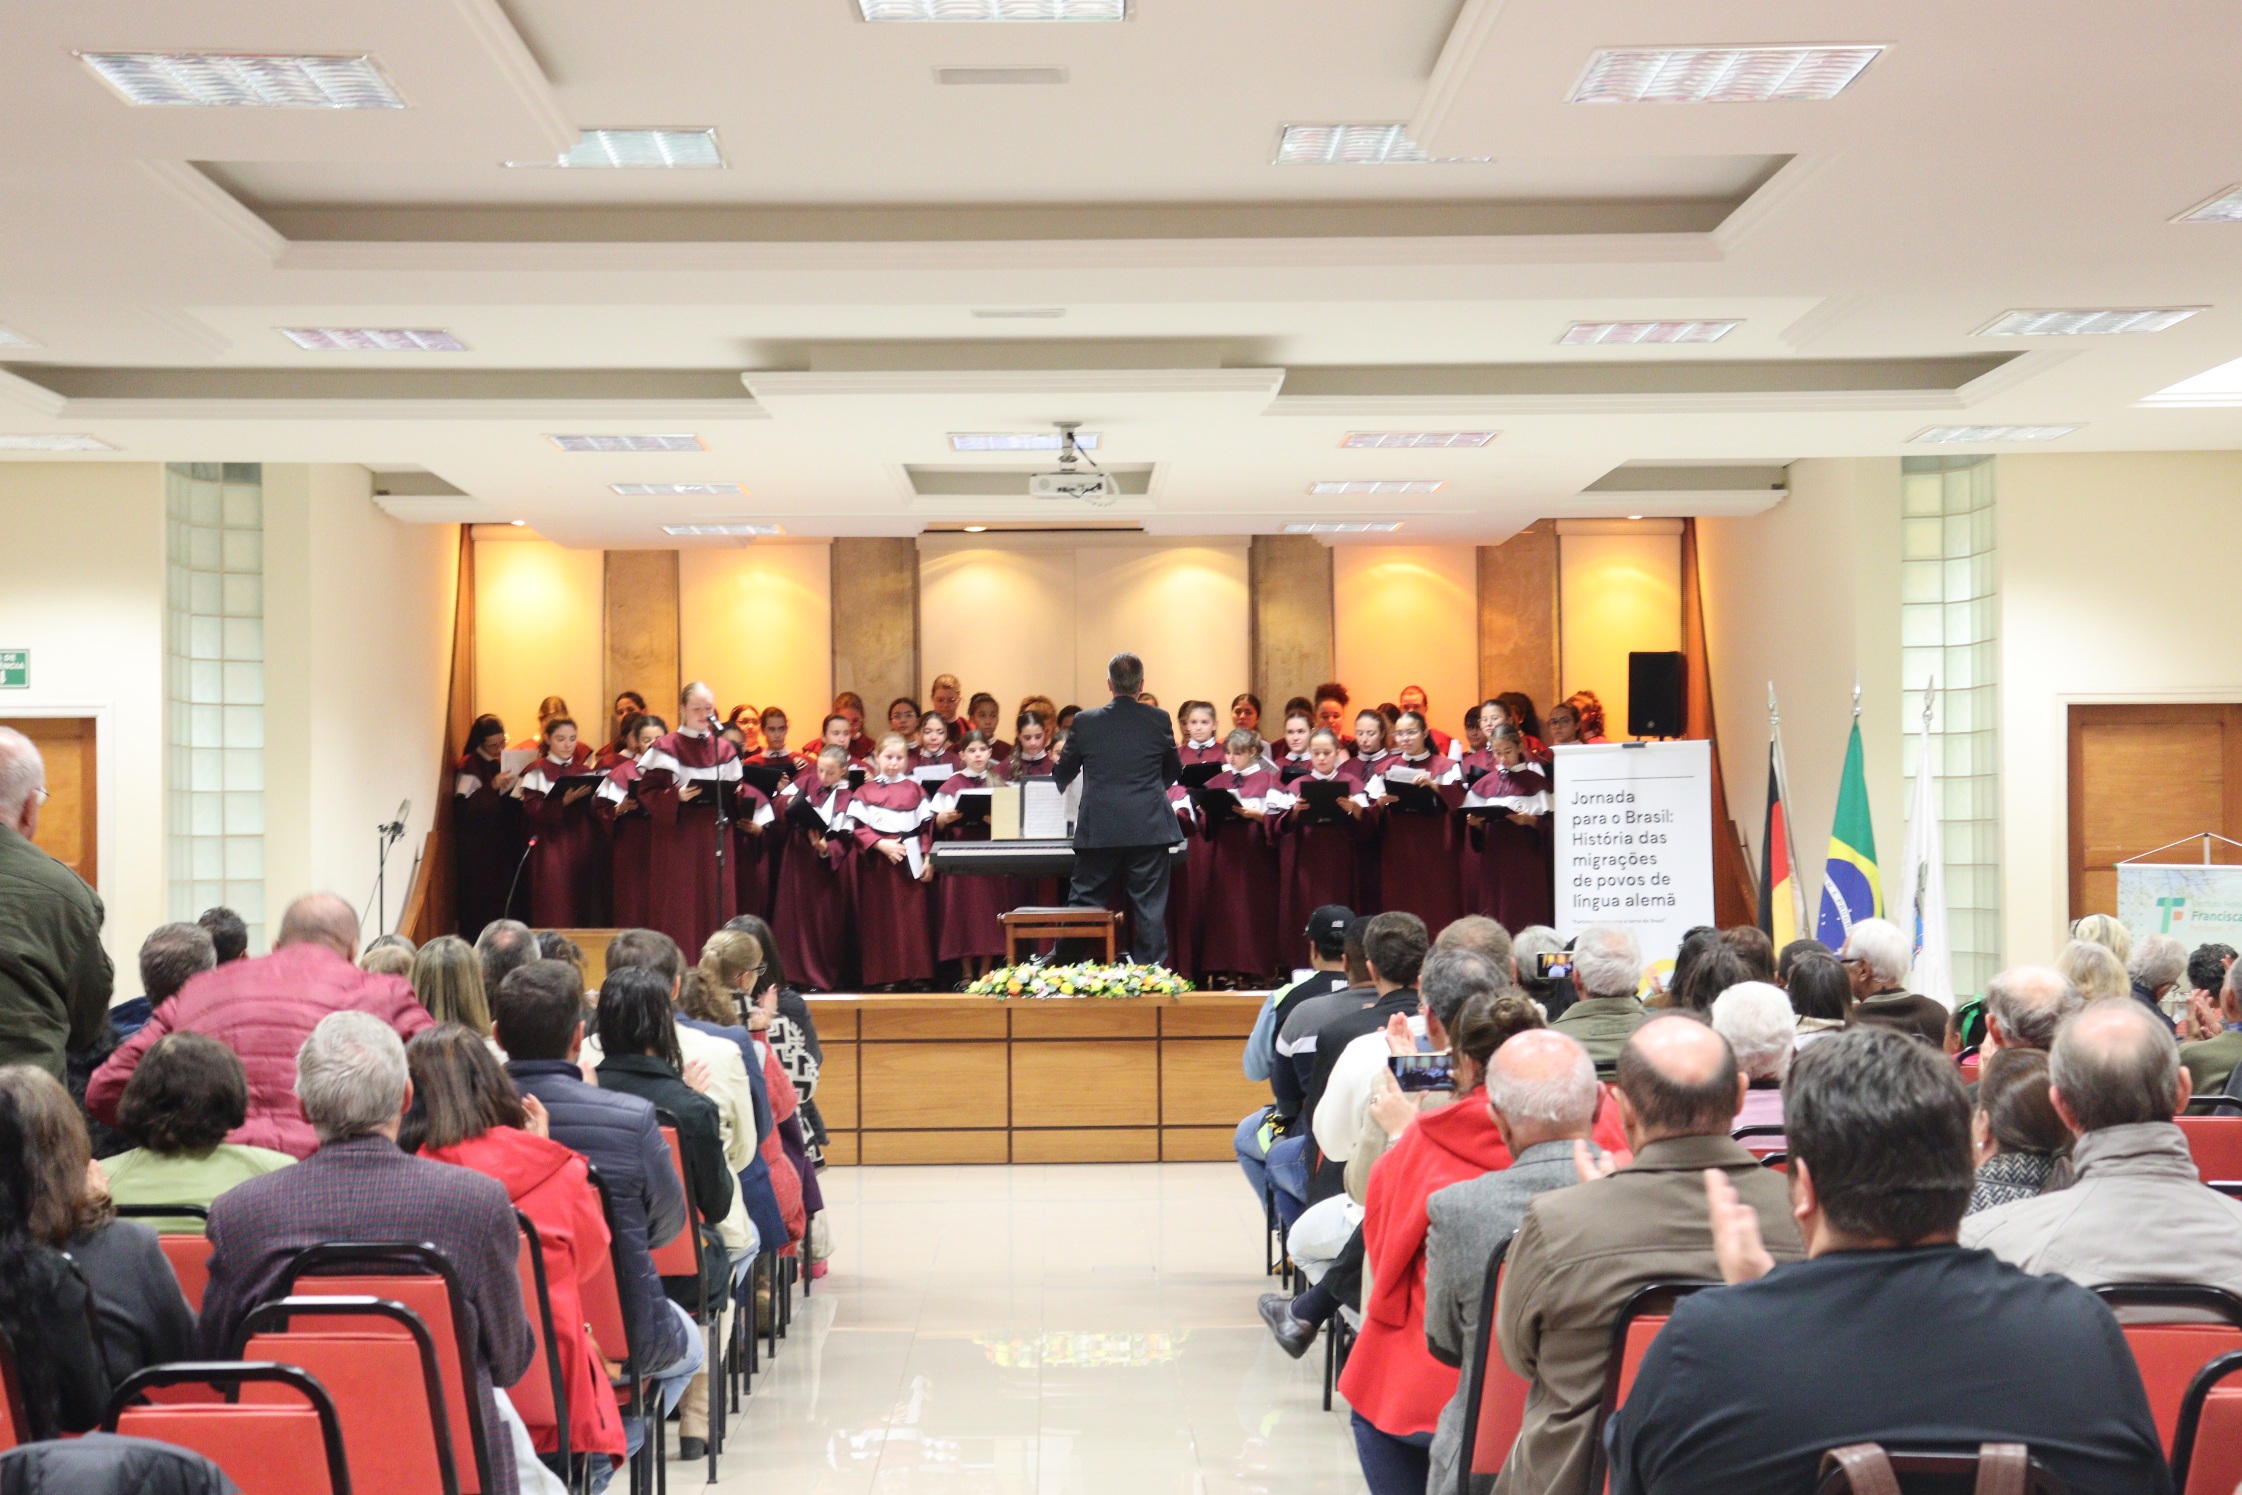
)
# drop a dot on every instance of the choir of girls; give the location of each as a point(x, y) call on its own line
point(834, 845)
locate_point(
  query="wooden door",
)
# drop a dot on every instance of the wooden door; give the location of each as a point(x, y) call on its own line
point(2143, 777)
point(66, 825)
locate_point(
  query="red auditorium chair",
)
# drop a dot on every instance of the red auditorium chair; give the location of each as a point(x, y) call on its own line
point(188, 1252)
point(268, 1447)
point(1759, 1141)
point(1631, 1333)
point(606, 1317)
point(541, 1395)
point(681, 1258)
point(2207, 1449)
point(1494, 1394)
point(2192, 1325)
point(1871, 1469)
point(2216, 1142)
point(369, 1355)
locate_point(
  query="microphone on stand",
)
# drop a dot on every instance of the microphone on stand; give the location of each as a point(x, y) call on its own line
point(517, 881)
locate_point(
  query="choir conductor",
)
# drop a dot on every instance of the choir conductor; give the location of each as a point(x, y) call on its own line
point(1126, 756)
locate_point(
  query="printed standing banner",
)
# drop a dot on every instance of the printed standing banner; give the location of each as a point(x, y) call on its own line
point(2195, 904)
point(1634, 825)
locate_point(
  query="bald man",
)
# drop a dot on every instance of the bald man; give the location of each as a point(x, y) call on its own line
point(1582, 1253)
point(264, 1009)
point(55, 979)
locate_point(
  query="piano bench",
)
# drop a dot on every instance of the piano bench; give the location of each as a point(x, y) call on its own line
point(1027, 925)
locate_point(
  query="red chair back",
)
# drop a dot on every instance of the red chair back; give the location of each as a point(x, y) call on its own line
point(540, 1395)
point(2172, 1349)
point(682, 1256)
point(14, 1428)
point(2216, 1142)
point(2207, 1450)
point(189, 1256)
point(1495, 1404)
point(291, 1445)
point(1631, 1334)
point(386, 1388)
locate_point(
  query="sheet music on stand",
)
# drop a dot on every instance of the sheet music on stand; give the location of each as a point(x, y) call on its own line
point(1043, 811)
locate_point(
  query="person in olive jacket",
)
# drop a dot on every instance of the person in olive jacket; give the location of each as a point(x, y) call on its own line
point(55, 979)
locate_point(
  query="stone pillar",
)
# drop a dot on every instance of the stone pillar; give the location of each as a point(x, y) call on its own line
point(875, 622)
point(1289, 577)
point(640, 634)
point(1518, 615)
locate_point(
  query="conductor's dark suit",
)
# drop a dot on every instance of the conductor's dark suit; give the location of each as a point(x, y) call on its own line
point(1125, 753)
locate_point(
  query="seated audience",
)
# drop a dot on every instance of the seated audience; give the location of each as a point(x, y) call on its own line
point(1758, 951)
point(2158, 963)
point(388, 955)
point(1542, 1092)
point(1327, 974)
point(1360, 1075)
point(2024, 1005)
point(539, 1017)
point(1821, 994)
point(1789, 955)
point(1556, 994)
point(2018, 1139)
point(1718, 967)
point(465, 1112)
point(785, 1022)
point(553, 945)
point(1608, 974)
point(1876, 957)
point(358, 1186)
point(2107, 931)
point(229, 933)
point(171, 956)
point(2206, 977)
point(186, 1095)
point(2137, 1210)
point(447, 976)
point(1303, 1024)
point(1887, 1332)
point(59, 1374)
point(2094, 970)
point(1756, 1019)
point(263, 1009)
point(144, 1319)
point(504, 945)
point(55, 978)
point(1582, 1253)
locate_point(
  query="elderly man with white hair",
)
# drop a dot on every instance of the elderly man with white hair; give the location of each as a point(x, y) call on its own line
point(2155, 967)
point(1876, 958)
point(1608, 974)
point(1756, 1019)
point(55, 979)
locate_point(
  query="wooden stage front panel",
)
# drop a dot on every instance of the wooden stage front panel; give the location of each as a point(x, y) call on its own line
point(941, 1078)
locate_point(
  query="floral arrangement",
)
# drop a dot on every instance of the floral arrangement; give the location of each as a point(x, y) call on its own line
point(1088, 979)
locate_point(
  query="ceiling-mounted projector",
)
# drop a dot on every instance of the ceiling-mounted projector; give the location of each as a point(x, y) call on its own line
point(1091, 486)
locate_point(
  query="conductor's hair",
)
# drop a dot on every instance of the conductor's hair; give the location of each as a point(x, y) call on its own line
point(1125, 673)
point(554, 724)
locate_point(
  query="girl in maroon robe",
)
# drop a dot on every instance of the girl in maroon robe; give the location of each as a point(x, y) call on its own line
point(1372, 751)
point(788, 766)
point(630, 832)
point(1237, 934)
point(1292, 762)
point(1199, 745)
point(680, 777)
point(838, 733)
point(568, 867)
point(1032, 758)
point(970, 930)
point(1510, 802)
point(811, 910)
point(1317, 862)
point(629, 705)
point(749, 852)
point(903, 717)
point(1419, 865)
point(888, 819)
point(487, 831)
point(851, 705)
point(933, 761)
point(982, 712)
point(1245, 715)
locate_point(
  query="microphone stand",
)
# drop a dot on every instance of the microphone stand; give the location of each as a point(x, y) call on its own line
point(517, 878)
point(386, 836)
point(723, 827)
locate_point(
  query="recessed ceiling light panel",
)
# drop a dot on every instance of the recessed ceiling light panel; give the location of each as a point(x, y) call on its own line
point(1598, 334)
point(676, 490)
point(994, 10)
point(1945, 434)
point(2086, 323)
point(1388, 439)
point(1719, 75)
point(1357, 145)
point(1375, 487)
point(54, 443)
point(2224, 208)
point(1007, 313)
point(640, 150)
point(374, 339)
point(1017, 441)
point(1343, 527)
point(244, 80)
point(763, 530)
point(628, 443)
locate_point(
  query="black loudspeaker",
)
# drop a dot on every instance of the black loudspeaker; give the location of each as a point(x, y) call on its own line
point(1657, 706)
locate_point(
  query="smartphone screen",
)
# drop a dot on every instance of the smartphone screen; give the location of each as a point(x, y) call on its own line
point(1420, 1072)
point(1553, 965)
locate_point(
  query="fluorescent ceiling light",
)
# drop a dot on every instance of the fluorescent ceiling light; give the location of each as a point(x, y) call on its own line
point(374, 339)
point(54, 443)
point(1007, 312)
point(1582, 334)
point(640, 150)
point(1375, 487)
point(628, 443)
point(1017, 441)
point(1719, 75)
point(2224, 208)
point(1992, 433)
point(15, 340)
point(677, 490)
point(1357, 145)
point(1417, 438)
point(722, 529)
point(994, 10)
point(2085, 323)
point(1344, 527)
point(244, 80)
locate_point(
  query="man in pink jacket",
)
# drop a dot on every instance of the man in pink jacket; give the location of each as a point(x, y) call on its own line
point(263, 1010)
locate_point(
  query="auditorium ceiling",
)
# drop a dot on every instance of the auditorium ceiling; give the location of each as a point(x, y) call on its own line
point(903, 231)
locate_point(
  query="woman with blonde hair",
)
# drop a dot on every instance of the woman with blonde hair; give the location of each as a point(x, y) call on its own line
point(2094, 970)
point(448, 979)
point(2105, 930)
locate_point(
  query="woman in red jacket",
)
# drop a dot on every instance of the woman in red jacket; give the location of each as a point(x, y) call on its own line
point(465, 1113)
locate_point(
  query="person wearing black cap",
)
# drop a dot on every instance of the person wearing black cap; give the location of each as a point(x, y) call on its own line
point(1327, 973)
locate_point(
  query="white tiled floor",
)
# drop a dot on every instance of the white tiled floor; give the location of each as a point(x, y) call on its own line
point(1039, 1331)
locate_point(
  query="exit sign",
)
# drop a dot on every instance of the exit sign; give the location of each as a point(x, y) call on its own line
point(15, 669)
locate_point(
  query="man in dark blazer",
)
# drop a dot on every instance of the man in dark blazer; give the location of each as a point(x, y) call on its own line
point(1125, 754)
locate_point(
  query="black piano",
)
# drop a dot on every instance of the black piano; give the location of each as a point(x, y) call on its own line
point(1010, 858)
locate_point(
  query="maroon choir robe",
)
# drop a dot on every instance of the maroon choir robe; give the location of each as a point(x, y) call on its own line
point(1183, 888)
point(1207, 752)
point(487, 838)
point(630, 841)
point(1000, 751)
point(789, 766)
point(1316, 865)
point(1292, 766)
point(893, 942)
point(1236, 881)
point(810, 912)
point(686, 898)
point(750, 852)
point(1514, 888)
point(568, 867)
point(967, 909)
point(1419, 867)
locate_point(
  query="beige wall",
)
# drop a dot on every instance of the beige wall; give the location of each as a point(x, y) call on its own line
point(1408, 615)
point(85, 594)
point(757, 624)
point(1806, 595)
point(538, 629)
point(358, 615)
point(1619, 584)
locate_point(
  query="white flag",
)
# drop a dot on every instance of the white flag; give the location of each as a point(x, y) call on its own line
point(1922, 902)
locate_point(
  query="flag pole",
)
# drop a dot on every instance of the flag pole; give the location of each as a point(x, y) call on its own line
point(1790, 812)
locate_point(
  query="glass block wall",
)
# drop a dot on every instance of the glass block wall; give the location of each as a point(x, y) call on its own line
point(214, 729)
point(1949, 615)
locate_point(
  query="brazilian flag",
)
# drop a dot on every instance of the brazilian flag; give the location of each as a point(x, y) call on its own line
point(1851, 890)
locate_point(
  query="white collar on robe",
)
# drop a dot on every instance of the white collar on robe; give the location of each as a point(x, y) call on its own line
point(901, 778)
